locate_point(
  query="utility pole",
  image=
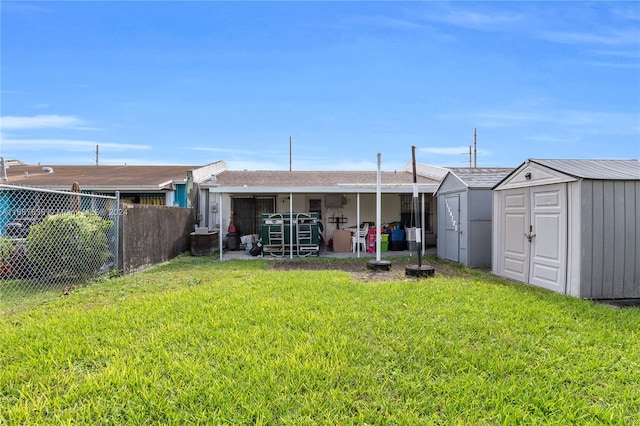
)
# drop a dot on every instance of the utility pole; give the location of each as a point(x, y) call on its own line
point(97, 153)
point(475, 151)
point(290, 153)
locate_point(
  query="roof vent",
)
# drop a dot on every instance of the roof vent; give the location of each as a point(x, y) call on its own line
point(47, 170)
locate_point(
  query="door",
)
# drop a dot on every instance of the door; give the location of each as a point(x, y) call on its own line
point(548, 237)
point(534, 238)
point(247, 211)
point(515, 263)
point(452, 227)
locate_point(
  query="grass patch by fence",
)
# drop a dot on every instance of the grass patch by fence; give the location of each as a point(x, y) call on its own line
point(196, 341)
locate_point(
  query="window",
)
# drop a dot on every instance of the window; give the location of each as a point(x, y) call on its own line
point(315, 206)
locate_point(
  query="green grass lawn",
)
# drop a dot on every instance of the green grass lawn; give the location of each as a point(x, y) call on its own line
point(235, 342)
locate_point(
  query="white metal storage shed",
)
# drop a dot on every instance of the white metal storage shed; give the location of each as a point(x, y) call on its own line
point(464, 214)
point(571, 226)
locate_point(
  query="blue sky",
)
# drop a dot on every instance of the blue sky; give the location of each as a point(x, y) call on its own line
point(162, 82)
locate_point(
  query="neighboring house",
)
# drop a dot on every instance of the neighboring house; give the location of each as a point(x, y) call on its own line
point(154, 185)
point(571, 226)
point(464, 214)
point(342, 199)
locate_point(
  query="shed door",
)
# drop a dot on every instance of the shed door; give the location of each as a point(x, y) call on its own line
point(534, 237)
point(451, 227)
point(515, 259)
point(549, 240)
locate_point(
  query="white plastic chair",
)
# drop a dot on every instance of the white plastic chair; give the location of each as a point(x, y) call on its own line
point(360, 237)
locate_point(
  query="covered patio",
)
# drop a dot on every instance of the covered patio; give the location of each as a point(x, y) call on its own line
point(235, 202)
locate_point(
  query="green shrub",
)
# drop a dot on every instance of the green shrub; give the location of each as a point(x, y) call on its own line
point(6, 250)
point(69, 246)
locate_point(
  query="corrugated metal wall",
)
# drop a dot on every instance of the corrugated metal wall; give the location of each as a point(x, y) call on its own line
point(610, 239)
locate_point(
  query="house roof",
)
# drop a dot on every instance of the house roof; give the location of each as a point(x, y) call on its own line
point(595, 169)
point(327, 181)
point(480, 177)
point(97, 177)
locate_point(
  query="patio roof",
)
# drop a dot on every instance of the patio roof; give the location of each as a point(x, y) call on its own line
point(269, 181)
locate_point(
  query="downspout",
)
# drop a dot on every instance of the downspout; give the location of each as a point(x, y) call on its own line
point(189, 189)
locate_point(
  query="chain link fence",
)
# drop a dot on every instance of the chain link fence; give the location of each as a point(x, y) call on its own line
point(52, 240)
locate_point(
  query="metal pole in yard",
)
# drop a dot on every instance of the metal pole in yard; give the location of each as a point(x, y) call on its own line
point(415, 205)
point(419, 270)
point(378, 265)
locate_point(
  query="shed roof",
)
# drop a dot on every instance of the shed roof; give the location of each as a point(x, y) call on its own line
point(594, 169)
point(480, 177)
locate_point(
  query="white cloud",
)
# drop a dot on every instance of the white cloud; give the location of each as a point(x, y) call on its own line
point(142, 162)
point(22, 7)
point(552, 139)
point(588, 121)
point(68, 145)
point(445, 150)
point(473, 18)
point(604, 38)
point(391, 23)
point(225, 150)
point(506, 118)
point(40, 122)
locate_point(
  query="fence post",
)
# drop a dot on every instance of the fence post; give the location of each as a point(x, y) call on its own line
point(119, 263)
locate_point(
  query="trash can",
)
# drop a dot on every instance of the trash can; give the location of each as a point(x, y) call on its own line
point(233, 240)
point(397, 242)
point(384, 242)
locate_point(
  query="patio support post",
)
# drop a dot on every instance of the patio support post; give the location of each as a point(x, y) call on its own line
point(423, 223)
point(290, 225)
point(357, 235)
point(220, 223)
point(378, 209)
